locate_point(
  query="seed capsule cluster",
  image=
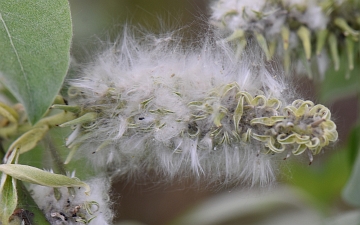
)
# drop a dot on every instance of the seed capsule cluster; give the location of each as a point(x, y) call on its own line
point(226, 117)
point(71, 206)
point(290, 28)
point(237, 116)
point(180, 112)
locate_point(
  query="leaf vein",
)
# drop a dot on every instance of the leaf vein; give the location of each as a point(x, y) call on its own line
point(17, 54)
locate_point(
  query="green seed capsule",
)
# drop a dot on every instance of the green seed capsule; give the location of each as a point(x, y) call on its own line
point(305, 35)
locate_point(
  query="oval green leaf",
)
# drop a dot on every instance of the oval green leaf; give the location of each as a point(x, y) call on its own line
point(351, 191)
point(37, 176)
point(8, 198)
point(35, 38)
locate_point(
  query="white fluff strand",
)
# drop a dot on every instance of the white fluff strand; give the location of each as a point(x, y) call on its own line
point(186, 112)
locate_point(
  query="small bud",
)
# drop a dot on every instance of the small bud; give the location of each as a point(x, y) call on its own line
point(263, 44)
point(341, 23)
point(285, 34)
point(86, 118)
point(334, 50)
point(305, 36)
point(321, 36)
point(350, 52)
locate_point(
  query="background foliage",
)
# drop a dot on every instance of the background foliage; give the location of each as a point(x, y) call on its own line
point(330, 184)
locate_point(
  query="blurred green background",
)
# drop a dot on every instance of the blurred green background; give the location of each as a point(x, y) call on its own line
point(97, 21)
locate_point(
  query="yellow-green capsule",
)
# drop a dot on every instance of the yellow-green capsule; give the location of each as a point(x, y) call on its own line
point(350, 52)
point(293, 138)
point(71, 153)
point(86, 118)
point(272, 47)
point(70, 108)
point(240, 45)
point(287, 61)
point(219, 115)
point(238, 112)
point(300, 149)
point(228, 88)
point(285, 34)
point(321, 36)
point(334, 50)
point(245, 137)
point(59, 100)
point(263, 44)
point(267, 121)
point(237, 34)
point(146, 102)
point(103, 145)
point(342, 24)
point(305, 35)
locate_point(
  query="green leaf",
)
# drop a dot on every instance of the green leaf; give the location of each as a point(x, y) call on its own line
point(28, 205)
point(36, 176)
point(354, 145)
point(8, 198)
point(351, 191)
point(280, 206)
point(35, 38)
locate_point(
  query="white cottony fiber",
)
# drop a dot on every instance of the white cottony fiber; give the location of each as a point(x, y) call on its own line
point(145, 92)
point(237, 13)
point(68, 206)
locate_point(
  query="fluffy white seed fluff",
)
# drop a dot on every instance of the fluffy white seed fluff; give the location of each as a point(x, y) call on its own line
point(237, 14)
point(308, 12)
point(73, 206)
point(142, 89)
point(267, 17)
point(255, 16)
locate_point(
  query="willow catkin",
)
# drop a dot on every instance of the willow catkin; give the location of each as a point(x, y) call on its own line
point(155, 106)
